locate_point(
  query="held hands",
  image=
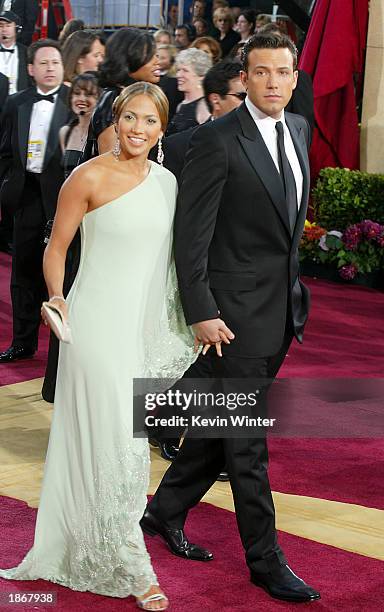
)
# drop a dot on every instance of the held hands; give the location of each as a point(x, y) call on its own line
point(212, 332)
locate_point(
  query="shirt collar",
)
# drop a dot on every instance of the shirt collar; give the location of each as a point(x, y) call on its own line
point(12, 48)
point(258, 115)
point(48, 93)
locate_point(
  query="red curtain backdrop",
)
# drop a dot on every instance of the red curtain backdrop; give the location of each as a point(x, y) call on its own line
point(333, 55)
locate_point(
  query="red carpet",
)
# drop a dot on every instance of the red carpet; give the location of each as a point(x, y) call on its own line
point(221, 585)
point(344, 337)
point(26, 369)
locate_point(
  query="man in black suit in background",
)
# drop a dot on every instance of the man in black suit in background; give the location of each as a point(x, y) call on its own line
point(240, 215)
point(30, 161)
point(13, 55)
point(13, 78)
point(28, 11)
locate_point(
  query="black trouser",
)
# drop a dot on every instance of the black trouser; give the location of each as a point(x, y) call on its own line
point(28, 288)
point(200, 461)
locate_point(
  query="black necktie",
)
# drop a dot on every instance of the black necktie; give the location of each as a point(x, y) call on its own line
point(49, 97)
point(4, 50)
point(287, 177)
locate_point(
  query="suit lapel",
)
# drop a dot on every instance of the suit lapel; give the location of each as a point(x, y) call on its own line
point(24, 113)
point(258, 155)
point(59, 117)
point(302, 155)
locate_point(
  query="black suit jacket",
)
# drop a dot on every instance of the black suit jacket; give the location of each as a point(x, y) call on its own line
point(234, 250)
point(14, 144)
point(4, 88)
point(23, 78)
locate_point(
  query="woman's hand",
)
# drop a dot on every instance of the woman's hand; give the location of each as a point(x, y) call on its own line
point(59, 303)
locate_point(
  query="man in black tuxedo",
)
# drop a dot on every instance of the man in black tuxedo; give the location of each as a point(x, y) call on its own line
point(13, 78)
point(30, 160)
point(28, 11)
point(13, 55)
point(240, 216)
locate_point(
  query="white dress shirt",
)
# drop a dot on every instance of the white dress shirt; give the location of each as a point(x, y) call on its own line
point(41, 117)
point(267, 128)
point(9, 65)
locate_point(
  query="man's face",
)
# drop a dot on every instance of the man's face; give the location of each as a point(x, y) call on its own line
point(198, 9)
point(181, 39)
point(7, 32)
point(270, 79)
point(224, 104)
point(47, 68)
point(173, 13)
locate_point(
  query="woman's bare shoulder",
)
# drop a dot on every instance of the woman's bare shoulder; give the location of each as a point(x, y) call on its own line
point(93, 168)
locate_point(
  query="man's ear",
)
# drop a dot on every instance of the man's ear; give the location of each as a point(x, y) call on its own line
point(295, 77)
point(30, 70)
point(244, 79)
point(214, 99)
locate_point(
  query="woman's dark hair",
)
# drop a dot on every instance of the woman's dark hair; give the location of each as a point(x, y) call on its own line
point(87, 81)
point(126, 51)
point(76, 46)
point(73, 25)
point(250, 15)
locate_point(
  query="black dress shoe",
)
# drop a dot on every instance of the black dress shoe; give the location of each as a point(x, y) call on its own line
point(175, 538)
point(168, 448)
point(16, 352)
point(282, 583)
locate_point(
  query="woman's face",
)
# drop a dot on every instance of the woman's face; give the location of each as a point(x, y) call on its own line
point(93, 59)
point(163, 39)
point(204, 47)
point(243, 26)
point(150, 72)
point(83, 101)
point(223, 24)
point(164, 59)
point(187, 79)
point(139, 127)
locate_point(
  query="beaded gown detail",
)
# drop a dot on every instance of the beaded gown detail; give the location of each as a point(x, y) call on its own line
point(126, 322)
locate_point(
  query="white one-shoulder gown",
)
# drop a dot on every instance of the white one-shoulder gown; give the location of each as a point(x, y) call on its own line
point(125, 323)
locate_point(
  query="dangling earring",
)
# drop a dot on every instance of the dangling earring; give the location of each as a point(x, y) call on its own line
point(160, 152)
point(116, 149)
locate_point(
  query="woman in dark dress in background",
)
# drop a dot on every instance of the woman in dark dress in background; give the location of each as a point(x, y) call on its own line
point(191, 67)
point(224, 21)
point(83, 96)
point(130, 56)
point(82, 99)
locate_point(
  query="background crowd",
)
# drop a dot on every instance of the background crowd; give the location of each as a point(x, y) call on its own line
point(61, 116)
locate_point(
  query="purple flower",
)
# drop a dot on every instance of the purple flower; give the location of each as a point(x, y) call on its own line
point(351, 237)
point(380, 239)
point(348, 272)
point(371, 229)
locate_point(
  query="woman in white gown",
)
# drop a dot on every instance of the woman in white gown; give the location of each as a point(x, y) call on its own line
point(124, 320)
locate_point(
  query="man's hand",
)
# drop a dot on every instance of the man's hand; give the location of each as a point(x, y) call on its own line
point(212, 332)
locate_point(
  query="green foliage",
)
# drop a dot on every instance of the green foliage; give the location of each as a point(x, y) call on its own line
point(343, 197)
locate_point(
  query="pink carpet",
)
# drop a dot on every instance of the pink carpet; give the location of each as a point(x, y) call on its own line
point(26, 369)
point(221, 585)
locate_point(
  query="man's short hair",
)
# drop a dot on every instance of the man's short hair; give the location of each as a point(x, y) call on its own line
point(218, 78)
point(190, 30)
point(268, 41)
point(41, 44)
